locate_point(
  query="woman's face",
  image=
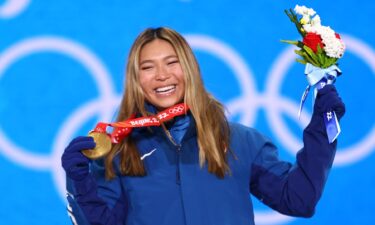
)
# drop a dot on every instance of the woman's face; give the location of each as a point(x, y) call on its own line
point(160, 74)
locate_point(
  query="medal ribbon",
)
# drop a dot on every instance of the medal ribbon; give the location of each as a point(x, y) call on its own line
point(318, 78)
point(123, 128)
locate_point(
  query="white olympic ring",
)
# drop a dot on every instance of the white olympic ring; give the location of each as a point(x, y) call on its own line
point(239, 68)
point(246, 104)
point(68, 129)
point(67, 48)
point(273, 103)
point(12, 8)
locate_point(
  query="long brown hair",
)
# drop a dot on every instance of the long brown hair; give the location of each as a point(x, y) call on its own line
point(211, 123)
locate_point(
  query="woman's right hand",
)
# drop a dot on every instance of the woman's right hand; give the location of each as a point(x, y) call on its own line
point(75, 164)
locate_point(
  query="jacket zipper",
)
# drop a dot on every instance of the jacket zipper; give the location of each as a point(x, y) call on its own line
point(178, 178)
point(178, 158)
point(178, 151)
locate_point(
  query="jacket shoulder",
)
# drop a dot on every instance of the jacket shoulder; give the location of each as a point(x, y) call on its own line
point(247, 141)
point(247, 133)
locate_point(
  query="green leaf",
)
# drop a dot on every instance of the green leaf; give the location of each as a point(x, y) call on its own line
point(290, 42)
point(300, 44)
point(320, 54)
point(293, 17)
point(324, 60)
point(301, 61)
point(299, 52)
point(320, 57)
point(290, 15)
point(330, 61)
point(308, 50)
point(334, 61)
point(309, 59)
point(319, 49)
point(311, 53)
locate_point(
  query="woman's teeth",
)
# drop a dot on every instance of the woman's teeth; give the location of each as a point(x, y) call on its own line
point(166, 89)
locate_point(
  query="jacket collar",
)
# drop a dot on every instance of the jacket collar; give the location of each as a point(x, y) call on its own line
point(177, 121)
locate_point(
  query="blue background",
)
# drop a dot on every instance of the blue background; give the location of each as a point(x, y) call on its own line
point(41, 90)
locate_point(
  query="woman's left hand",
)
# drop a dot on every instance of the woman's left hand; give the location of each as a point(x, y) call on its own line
point(327, 100)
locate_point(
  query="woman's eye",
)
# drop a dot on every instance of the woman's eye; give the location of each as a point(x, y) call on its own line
point(172, 62)
point(146, 67)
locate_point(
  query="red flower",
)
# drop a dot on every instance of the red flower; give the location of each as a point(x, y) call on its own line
point(312, 41)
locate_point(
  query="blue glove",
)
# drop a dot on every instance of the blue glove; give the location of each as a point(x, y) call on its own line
point(75, 164)
point(327, 100)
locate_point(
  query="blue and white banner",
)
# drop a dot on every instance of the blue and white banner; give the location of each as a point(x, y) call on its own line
point(62, 69)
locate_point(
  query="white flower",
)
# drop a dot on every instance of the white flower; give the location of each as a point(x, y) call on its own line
point(305, 19)
point(303, 10)
point(313, 26)
point(333, 47)
point(316, 21)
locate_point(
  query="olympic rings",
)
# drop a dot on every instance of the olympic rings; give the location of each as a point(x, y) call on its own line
point(175, 110)
point(246, 104)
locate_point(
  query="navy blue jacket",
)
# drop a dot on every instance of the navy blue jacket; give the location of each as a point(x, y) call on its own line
point(177, 191)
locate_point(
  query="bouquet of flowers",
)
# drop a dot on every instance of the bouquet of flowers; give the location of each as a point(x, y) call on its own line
point(321, 46)
point(320, 50)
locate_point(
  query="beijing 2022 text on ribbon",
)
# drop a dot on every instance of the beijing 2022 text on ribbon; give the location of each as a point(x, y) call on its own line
point(122, 129)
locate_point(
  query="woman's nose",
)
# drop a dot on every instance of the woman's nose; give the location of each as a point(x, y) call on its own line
point(162, 73)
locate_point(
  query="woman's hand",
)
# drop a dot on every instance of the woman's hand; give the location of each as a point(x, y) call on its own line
point(75, 164)
point(328, 100)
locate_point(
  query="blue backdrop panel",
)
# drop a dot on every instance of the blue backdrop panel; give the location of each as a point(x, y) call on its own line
point(62, 70)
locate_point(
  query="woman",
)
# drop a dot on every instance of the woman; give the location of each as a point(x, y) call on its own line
point(197, 169)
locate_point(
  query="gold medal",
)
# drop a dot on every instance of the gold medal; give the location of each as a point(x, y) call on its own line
point(102, 148)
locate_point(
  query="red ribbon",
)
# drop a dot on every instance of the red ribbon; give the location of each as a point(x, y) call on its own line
point(123, 128)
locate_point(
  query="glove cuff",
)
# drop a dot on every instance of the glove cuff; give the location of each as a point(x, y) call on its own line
point(85, 185)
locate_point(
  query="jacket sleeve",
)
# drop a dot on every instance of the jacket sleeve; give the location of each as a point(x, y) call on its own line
point(293, 189)
point(95, 200)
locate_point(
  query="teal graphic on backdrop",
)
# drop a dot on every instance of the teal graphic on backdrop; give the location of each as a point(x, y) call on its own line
point(62, 66)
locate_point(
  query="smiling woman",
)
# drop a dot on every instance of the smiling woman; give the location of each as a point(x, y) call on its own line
point(160, 74)
point(196, 169)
